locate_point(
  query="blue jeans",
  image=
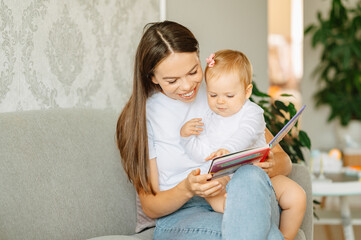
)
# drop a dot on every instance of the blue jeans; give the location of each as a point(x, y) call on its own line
point(251, 212)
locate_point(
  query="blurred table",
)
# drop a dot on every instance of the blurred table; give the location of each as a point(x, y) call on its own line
point(338, 185)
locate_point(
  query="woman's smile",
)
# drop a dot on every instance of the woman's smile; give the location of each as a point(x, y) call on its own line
point(188, 95)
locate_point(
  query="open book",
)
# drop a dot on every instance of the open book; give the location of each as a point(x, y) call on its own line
point(228, 164)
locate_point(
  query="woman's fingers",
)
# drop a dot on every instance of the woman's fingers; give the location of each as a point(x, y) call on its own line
point(268, 163)
point(267, 166)
point(194, 175)
point(201, 187)
point(206, 186)
point(192, 180)
point(210, 189)
point(201, 178)
point(224, 180)
point(195, 172)
point(264, 165)
point(213, 191)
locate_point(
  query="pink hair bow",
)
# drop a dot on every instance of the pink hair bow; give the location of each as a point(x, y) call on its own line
point(210, 60)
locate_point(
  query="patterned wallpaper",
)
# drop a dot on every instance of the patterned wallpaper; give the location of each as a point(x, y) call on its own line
point(69, 53)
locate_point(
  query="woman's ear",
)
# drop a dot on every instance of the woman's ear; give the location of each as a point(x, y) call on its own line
point(154, 80)
point(249, 91)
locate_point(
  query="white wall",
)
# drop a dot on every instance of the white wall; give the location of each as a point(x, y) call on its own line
point(232, 24)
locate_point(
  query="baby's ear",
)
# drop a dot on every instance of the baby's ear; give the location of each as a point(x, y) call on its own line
point(249, 90)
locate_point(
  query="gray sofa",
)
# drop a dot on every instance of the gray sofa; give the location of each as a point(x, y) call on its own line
point(61, 178)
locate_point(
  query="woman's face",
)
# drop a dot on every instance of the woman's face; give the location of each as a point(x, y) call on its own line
point(179, 75)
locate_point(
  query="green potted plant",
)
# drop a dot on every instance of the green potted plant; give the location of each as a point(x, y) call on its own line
point(339, 71)
point(277, 114)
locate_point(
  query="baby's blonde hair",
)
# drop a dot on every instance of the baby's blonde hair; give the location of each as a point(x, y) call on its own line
point(228, 61)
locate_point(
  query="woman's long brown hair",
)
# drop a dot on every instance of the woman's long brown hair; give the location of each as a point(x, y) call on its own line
point(158, 41)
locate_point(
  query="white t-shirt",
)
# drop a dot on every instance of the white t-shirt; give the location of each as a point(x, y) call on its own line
point(165, 117)
point(242, 130)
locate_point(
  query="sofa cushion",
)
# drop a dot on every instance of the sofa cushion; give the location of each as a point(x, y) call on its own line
point(145, 235)
point(61, 176)
point(143, 221)
point(301, 175)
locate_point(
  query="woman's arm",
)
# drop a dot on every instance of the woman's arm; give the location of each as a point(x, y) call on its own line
point(277, 162)
point(166, 202)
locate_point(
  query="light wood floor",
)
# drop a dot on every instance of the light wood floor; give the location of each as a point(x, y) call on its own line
point(333, 232)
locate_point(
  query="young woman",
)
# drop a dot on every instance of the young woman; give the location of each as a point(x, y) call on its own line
point(166, 91)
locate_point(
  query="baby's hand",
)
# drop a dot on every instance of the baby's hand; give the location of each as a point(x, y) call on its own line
point(192, 127)
point(217, 153)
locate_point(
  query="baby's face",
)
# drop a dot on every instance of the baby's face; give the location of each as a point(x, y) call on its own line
point(227, 94)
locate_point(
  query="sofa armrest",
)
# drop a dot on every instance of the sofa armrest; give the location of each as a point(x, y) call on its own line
point(301, 175)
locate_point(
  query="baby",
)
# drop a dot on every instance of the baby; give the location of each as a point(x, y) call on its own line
point(234, 123)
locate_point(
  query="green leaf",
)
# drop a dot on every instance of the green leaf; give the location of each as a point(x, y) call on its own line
point(299, 154)
point(278, 112)
point(291, 109)
point(345, 119)
point(263, 102)
point(286, 95)
point(317, 38)
point(281, 106)
point(356, 48)
point(257, 92)
point(310, 28)
point(304, 139)
point(347, 57)
point(336, 51)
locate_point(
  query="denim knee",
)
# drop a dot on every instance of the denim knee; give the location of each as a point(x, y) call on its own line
point(253, 175)
point(251, 209)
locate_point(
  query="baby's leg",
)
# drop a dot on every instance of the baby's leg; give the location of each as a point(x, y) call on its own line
point(217, 202)
point(292, 199)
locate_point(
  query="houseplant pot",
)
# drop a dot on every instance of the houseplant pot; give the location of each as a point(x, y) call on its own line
point(349, 136)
